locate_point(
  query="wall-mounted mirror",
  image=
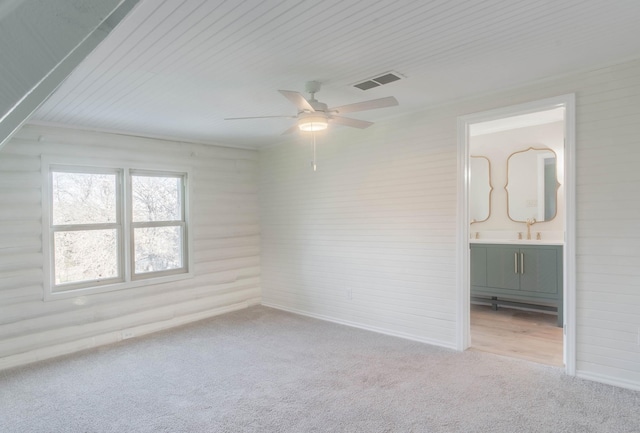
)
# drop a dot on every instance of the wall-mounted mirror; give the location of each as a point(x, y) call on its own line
point(532, 185)
point(479, 189)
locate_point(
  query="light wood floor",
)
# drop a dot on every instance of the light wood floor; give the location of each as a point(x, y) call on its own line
point(516, 333)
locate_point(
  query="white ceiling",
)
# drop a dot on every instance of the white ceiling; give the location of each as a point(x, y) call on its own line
point(177, 68)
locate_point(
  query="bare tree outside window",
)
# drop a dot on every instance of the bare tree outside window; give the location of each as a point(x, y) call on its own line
point(84, 211)
point(157, 206)
point(84, 198)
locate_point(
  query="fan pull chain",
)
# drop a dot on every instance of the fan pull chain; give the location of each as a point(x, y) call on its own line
point(313, 163)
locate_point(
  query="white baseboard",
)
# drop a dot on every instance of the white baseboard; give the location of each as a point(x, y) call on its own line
point(115, 336)
point(378, 330)
point(608, 380)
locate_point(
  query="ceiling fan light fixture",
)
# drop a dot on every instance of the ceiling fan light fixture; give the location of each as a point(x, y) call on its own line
point(314, 115)
point(312, 122)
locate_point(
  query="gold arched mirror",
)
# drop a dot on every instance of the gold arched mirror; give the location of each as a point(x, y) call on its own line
point(480, 189)
point(532, 185)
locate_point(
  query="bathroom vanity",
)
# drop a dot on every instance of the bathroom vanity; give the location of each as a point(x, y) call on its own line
point(522, 274)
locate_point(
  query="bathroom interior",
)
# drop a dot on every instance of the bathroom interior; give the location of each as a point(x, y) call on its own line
point(516, 210)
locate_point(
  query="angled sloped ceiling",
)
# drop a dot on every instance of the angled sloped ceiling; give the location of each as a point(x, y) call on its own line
point(41, 43)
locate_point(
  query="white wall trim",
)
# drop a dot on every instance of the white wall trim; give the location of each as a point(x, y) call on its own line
point(375, 329)
point(463, 328)
point(463, 322)
point(569, 276)
point(608, 380)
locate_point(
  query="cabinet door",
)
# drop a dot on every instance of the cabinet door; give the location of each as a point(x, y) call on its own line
point(502, 267)
point(478, 266)
point(540, 270)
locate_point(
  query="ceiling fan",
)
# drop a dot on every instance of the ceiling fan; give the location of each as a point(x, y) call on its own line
point(314, 115)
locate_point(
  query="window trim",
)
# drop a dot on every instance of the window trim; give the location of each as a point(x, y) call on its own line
point(126, 279)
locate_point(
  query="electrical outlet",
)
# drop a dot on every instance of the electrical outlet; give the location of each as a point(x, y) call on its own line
point(349, 294)
point(127, 334)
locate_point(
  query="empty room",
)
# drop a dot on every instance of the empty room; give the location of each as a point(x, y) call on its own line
point(304, 216)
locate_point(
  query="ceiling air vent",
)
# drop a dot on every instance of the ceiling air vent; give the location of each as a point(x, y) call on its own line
point(387, 78)
point(366, 85)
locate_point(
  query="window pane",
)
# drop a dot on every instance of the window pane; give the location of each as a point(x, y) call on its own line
point(157, 249)
point(83, 198)
point(156, 198)
point(85, 255)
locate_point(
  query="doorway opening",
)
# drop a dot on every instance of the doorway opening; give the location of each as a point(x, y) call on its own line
point(517, 232)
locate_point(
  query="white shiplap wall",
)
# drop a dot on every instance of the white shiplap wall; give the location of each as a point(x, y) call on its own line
point(379, 219)
point(226, 245)
point(376, 223)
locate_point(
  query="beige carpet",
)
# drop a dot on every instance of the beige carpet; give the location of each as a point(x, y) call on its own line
point(262, 370)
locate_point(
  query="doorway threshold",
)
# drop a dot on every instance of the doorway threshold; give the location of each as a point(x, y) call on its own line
point(528, 335)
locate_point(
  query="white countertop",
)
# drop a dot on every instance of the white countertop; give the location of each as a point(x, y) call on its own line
point(515, 241)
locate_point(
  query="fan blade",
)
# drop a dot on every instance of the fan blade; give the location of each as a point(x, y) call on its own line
point(291, 130)
point(298, 100)
point(354, 123)
point(389, 101)
point(259, 117)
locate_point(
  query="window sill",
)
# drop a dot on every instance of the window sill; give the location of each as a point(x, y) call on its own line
point(74, 293)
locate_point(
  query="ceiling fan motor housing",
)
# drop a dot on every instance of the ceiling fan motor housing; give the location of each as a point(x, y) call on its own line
point(312, 86)
point(318, 106)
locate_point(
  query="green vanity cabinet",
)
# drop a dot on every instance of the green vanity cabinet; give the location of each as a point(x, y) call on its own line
point(518, 275)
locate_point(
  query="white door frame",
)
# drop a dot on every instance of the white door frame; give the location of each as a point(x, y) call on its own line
point(569, 256)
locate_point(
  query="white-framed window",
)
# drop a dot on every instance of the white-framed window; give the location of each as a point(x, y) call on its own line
point(112, 226)
point(158, 223)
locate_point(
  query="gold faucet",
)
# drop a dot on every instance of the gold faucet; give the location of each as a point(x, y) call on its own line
point(530, 222)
